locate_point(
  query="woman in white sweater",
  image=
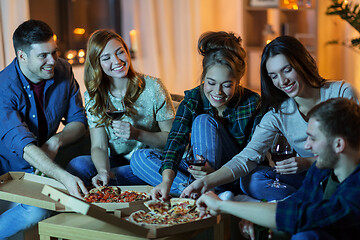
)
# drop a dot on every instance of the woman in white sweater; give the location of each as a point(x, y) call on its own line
point(290, 87)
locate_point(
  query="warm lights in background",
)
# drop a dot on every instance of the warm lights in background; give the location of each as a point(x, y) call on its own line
point(133, 42)
point(79, 31)
point(74, 56)
point(295, 4)
point(77, 56)
point(81, 56)
point(55, 37)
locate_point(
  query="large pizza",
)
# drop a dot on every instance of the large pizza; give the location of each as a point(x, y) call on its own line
point(179, 210)
point(108, 194)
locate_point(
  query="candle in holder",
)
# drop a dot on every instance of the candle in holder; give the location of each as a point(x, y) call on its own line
point(133, 40)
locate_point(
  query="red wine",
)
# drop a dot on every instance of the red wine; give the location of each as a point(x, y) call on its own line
point(280, 156)
point(196, 162)
point(115, 115)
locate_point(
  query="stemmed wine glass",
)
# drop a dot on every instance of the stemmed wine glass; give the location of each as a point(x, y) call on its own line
point(115, 113)
point(196, 156)
point(280, 150)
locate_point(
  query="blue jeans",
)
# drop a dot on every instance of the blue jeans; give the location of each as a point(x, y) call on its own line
point(19, 218)
point(255, 184)
point(84, 168)
point(205, 131)
point(314, 235)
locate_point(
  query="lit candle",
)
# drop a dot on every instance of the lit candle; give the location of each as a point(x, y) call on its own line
point(133, 40)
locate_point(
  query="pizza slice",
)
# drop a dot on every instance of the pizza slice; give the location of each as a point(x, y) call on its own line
point(157, 206)
point(182, 205)
point(131, 196)
point(150, 219)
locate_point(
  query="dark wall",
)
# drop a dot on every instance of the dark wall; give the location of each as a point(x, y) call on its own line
point(64, 16)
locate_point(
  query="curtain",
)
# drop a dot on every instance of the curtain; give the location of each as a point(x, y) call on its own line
point(168, 31)
point(12, 14)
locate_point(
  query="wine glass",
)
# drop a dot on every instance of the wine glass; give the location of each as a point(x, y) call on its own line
point(280, 150)
point(196, 156)
point(115, 113)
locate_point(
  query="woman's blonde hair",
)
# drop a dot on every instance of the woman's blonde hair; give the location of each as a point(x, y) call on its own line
point(97, 83)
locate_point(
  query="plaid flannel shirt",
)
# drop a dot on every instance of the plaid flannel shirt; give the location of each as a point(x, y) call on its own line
point(239, 118)
point(308, 210)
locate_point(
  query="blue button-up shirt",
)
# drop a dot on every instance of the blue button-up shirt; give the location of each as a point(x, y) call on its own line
point(18, 114)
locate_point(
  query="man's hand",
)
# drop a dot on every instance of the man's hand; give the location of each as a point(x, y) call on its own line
point(51, 146)
point(209, 201)
point(195, 189)
point(74, 185)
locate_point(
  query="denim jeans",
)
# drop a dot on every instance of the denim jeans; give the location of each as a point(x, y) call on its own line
point(84, 168)
point(256, 184)
point(19, 218)
point(314, 235)
point(205, 131)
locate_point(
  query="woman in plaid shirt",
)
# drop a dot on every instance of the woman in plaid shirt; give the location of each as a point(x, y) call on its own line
point(219, 115)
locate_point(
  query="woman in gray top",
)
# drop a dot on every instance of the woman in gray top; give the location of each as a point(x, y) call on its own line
point(290, 87)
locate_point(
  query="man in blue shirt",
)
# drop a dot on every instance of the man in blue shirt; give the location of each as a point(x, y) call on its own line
point(39, 92)
point(327, 206)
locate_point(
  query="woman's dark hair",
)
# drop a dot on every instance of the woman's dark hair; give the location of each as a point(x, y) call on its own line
point(299, 58)
point(225, 49)
point(31, 32)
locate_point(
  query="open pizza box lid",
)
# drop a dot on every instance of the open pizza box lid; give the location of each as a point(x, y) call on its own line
point(119, 218)
point(26, 188)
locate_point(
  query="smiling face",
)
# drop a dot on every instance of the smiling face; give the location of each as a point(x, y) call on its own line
point(39, 63)
point(284, 76)
point(114, 60)
point(219, 86)
point(320, 146)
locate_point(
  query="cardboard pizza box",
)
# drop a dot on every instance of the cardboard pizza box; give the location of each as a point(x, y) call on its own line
point(120, 216)
point(26, 188)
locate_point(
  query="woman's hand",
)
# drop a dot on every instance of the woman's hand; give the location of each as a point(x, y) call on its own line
point(124, 129)
point(161, 191)
point(101, 179)
point(195, 189)
point(200, 171)
point(293, 165)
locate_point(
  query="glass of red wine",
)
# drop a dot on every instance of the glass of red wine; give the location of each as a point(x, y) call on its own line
point(280, 150)
point(115, 113)
point(195, 156)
